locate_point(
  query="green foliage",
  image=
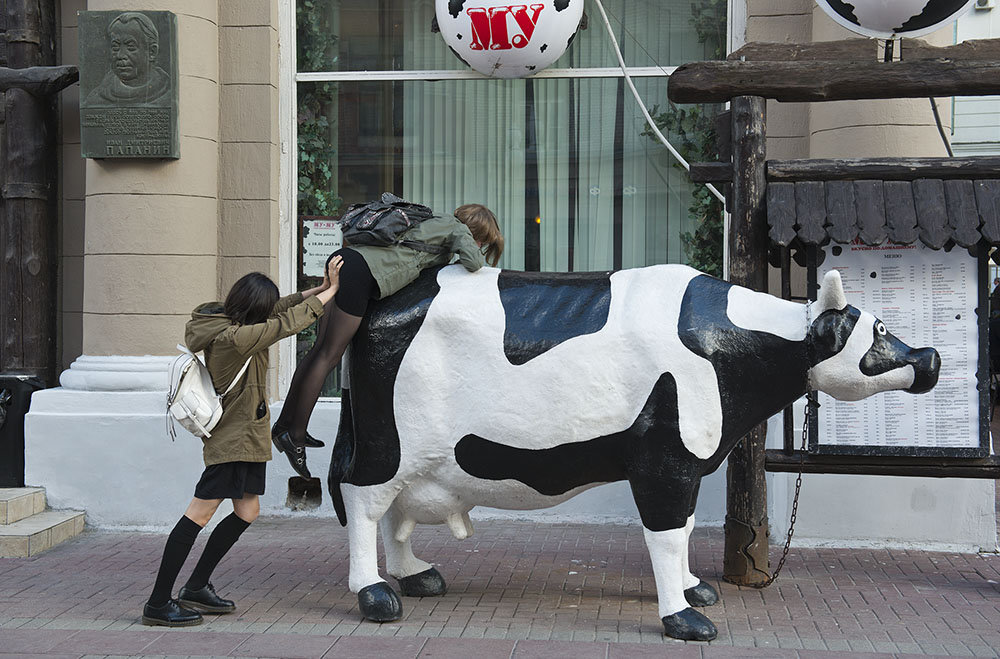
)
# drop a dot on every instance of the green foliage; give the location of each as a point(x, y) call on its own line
point(691, 130)
point(316, 50)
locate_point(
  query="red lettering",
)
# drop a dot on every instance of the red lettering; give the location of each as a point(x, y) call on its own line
point(498, 28)
point(526, 22)
point(480, 29)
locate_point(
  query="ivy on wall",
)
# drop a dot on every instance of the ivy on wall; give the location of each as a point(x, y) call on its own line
point(316, 49)
point(692, 129)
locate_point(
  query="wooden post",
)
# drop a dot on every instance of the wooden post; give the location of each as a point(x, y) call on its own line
point(28, 196)
point(745, 561)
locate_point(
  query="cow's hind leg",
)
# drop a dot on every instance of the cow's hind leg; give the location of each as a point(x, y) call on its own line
point(696, 591)
point(416, 578)
point(376, 599)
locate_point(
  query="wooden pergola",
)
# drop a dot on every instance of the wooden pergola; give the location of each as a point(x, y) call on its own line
point(780, 206)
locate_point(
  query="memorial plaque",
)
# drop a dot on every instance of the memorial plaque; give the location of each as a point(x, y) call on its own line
point(128, 84)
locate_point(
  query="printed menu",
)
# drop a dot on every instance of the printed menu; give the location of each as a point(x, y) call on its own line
point(925, 297)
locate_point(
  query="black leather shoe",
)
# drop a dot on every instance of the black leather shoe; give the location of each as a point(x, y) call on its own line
point(308, 442)
point(296, 454)
point(171, 614)
point(205, 599)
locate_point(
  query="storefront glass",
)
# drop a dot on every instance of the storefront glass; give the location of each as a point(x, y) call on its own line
point(567, 163)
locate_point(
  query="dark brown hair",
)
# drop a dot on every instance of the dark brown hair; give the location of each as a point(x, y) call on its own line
point(484, 227)
point(251, 299)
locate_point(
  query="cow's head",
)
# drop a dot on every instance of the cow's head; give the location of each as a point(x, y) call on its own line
point(852, 354)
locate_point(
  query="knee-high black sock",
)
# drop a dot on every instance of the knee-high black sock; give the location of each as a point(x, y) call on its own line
point(175, 552)
point(221, 541)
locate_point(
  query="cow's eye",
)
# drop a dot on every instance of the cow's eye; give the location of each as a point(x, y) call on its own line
point(880, 328)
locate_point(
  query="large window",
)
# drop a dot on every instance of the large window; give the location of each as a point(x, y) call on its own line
point(565, 158)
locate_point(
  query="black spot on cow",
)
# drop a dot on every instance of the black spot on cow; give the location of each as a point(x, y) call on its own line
point(377, 351)
point(647, 454)
point(757, 372)
point(455, 7)
point(531, 68)
point(544, 46)
point(544, 309)
point(830, 331)
point(560, 4)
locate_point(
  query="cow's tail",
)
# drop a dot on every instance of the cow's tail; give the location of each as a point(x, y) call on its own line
point(343, 454)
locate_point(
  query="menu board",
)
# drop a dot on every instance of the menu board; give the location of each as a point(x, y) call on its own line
point(925, 297)
point(321, 236)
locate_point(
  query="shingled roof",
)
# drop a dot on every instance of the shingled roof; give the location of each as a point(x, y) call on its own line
point(935, 211)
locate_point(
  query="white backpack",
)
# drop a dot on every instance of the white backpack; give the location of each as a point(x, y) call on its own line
point(191, 398)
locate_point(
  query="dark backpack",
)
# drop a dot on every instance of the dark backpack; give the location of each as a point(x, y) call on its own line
point(383, 223)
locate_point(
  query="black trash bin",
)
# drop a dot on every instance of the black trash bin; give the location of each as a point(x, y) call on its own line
point(15, 397)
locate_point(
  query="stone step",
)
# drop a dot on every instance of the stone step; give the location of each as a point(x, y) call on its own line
point(39, 532)
point(16, 503)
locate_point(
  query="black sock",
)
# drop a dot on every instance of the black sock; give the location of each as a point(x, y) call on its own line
point(221, 541)
point(175, 552)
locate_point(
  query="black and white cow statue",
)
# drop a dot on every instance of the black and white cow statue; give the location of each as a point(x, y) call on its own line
point(520, 390)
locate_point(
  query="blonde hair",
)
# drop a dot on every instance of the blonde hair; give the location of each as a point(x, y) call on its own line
point(484, 227)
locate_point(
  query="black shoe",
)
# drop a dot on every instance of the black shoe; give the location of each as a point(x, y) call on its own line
point(296, 454)
point(205, 599)
point(308, 442)
point(171, 614)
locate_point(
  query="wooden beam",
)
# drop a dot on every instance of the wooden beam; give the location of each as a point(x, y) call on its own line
point(882, 169)
point(865, 50)
point(711, 172)
point(972, 50)
point(857, 50)
point(811, 463)
point(718, 82)
point(745, 559)
point(39, 80)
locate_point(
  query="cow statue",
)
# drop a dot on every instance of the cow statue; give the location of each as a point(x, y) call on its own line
point(519, 390)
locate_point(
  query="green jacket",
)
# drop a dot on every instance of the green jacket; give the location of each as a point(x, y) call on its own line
point(244, 431)
point(395, 267)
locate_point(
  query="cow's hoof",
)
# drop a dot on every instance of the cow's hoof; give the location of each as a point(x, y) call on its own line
point(701, 595)
point(379, 602)
point(428, 583)
point(689, 625)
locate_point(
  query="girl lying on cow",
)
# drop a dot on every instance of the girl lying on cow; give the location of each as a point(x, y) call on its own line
point(369, 273)
point(250, 320)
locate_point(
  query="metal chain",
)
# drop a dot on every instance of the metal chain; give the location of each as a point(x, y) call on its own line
point(811, 403)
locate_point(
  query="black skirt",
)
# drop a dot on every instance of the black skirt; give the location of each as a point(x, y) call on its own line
point(230, 480)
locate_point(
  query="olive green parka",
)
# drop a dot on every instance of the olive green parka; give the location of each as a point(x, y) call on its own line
point(396, 266)
point(243, 434)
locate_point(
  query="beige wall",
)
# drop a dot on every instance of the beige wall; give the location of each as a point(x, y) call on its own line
point(144, 241)
point(71, 225)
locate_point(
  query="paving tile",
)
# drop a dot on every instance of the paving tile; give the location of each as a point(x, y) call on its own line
point(189, 641)
point(559, 650)
point(287, 646)
point(440, 648)
point(353, 647)
point(107, 642)
point(14, 641)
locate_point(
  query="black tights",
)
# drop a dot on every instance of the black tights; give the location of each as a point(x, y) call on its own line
point(336, 329)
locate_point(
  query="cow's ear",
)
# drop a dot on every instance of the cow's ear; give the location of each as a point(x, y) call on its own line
point(831, 294)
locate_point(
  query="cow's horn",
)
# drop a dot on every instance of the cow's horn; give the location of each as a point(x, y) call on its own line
point(831, 293)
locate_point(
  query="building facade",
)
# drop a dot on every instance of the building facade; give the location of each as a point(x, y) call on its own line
point(288, 111)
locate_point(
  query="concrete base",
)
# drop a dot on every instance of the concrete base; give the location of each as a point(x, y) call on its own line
point(109, 453)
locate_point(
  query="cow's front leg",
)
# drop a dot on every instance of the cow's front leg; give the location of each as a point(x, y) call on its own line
point(416, 578)
point(376, 599)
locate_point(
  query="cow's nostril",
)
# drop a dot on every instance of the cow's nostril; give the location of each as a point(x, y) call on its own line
point(926, 367)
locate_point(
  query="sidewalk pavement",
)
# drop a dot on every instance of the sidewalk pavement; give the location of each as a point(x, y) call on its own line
point(516, 589)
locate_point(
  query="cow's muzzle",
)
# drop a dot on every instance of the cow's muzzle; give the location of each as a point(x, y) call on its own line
point(926, 367)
